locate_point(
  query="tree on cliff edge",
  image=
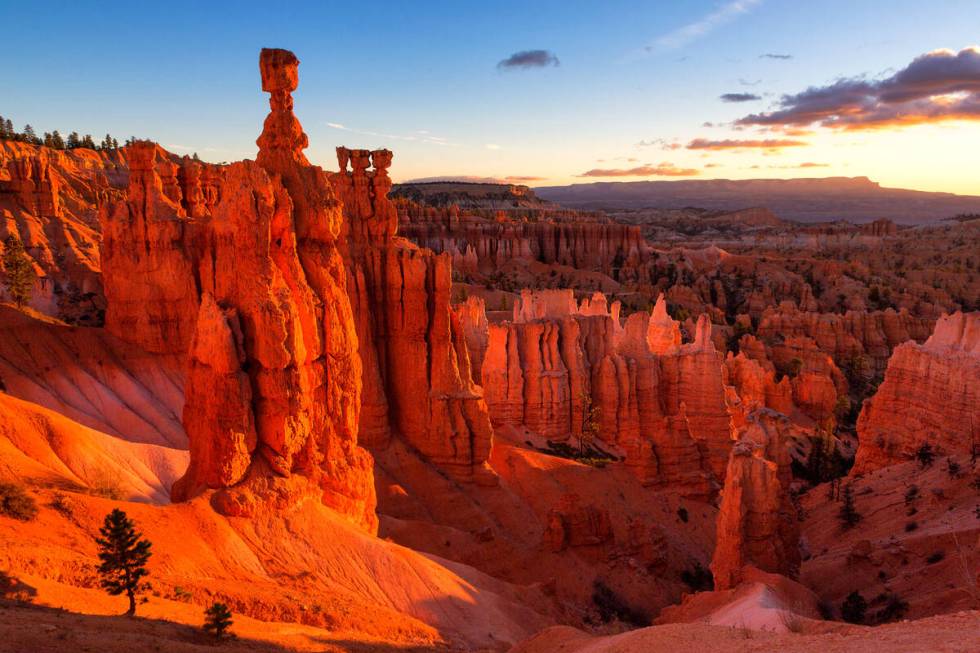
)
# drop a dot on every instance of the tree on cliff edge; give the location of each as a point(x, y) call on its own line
point(18, 269)
point(124, 554)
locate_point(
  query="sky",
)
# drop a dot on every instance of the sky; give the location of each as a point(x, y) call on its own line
point(542, 92)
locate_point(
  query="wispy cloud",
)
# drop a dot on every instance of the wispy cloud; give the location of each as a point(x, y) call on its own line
point(700, 28)
point(661, 170)
point(420, 136)
point(528, 59)
point(662, 143)
point(775, 55)
point(740, 97)
point(492, 146)
point(743, 144)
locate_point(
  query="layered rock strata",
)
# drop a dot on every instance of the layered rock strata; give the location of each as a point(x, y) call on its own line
point(247, 280)
point(418, 382)
point(756, 523)
point(560, 365)
point(930, 395)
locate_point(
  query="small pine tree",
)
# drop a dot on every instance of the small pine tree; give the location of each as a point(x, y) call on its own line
point(853, 608)
point(953, 468)
point(848, 514)
point(47, 139)
point(115, 144)
point(9, 128)
point(124, 555)
point(3, 129)
point(88, 142)
point(18, 271)
point(217, 620)
point(28, 134)
point(57, 141)
point(74, 141)
point(590, 424)
point(925, 455)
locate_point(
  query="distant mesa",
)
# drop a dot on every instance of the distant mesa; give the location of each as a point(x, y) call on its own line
point(854, 199)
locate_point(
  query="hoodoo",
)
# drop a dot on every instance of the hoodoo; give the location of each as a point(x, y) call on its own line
point(255, 292)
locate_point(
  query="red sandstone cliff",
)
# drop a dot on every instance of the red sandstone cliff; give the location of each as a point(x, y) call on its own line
point(254, 287)
point(418, 383)
point(756, 524)
point(931, 394)
point(660, 402)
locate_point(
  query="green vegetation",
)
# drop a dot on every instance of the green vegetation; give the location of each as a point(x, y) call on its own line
point(698, 578)
point(217, 620)
point(854, 607)
point(54, 139)
point(848, 514)
point(16, 502)
point(18, 269)
point(124, 555)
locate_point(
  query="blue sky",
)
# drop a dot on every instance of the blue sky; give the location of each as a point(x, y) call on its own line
point(422, 79)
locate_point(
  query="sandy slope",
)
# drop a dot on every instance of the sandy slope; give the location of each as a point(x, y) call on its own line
point(302, 565)
point(92, 378)
point(955, 633)
point(40, 446)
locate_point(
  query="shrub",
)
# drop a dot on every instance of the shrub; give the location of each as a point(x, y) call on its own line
point(217, 619)
point(936, 556)
point(698, 578)
point(16, 502)
point(895, 608)
point(911, 526)
point(853, 608)
point(848, 514)
point(612, 606)
point(911, 494)
point(106, 484)
point(62, 504)
point(925, 455)
point(952, 468)
point(682, 514)
point(18, 269)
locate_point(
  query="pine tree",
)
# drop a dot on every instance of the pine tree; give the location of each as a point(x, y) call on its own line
point(73, 141)
point(107, 142)
point(3, 129)
point(124, 555)
point(853, 608)
point(848, 514)
point(9, 128)
point(57, 142)
point(47, 139)
point(115, 144)
point(88, 142)
point(18, 269)
point(29, 135)
point(217, 619)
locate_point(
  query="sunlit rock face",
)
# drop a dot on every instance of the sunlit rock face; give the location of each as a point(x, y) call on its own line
point(757, 525)
point(246, 279)
point(418, 382)
point(931, 394)
point(561, 364)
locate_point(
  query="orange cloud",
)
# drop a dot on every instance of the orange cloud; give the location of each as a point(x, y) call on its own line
point(938, 86)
